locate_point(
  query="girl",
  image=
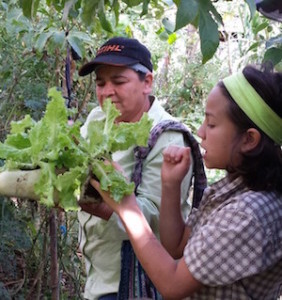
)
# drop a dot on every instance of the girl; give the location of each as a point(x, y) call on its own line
point(231, 246)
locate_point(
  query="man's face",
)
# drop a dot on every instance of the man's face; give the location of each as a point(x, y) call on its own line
point(127, 92)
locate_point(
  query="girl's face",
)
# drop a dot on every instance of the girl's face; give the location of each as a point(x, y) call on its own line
point(218, 133)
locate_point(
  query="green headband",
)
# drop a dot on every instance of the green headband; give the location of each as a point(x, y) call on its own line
point(254, 107)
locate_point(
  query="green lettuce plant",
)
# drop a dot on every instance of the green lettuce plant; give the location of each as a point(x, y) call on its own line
point(63, 158)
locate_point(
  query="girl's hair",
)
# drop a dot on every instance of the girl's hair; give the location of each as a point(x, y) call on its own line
point(261, 168)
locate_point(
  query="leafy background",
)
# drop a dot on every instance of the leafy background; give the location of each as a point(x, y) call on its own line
point(193, 45)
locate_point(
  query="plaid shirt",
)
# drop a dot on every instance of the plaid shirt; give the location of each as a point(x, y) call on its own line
point(235, 248)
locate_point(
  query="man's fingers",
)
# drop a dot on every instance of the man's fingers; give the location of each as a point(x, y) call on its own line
point(97, 186)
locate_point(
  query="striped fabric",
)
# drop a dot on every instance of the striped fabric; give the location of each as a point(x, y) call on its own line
point(134, 282)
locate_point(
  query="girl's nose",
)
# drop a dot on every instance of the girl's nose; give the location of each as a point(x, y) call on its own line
point(201, 131)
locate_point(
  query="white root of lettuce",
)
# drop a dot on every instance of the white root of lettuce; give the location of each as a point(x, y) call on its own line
point(19, 184)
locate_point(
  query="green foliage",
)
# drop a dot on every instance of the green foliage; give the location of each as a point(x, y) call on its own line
point(104, 15)
point(34, 39)
point(97, 13)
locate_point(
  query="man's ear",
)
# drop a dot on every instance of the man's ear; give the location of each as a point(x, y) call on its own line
point(148, 83)
point(251, 139)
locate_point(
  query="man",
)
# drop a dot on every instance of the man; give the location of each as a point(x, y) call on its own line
point(123, 71)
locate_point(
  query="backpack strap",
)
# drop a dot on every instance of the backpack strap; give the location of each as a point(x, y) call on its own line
point(199, 176)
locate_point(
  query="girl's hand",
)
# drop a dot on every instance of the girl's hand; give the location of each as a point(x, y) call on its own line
point(175, 165)
point(115, 206)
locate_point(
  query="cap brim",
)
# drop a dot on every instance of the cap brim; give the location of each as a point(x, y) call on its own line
point(111, 60)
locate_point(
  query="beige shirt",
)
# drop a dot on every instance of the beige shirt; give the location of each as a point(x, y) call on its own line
point(100, 240)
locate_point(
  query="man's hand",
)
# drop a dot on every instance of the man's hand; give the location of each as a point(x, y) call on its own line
point(107, 205)
point(126, 202)
point(101, 209)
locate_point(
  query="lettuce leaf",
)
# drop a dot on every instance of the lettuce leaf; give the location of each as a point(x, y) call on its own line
point(65, 158)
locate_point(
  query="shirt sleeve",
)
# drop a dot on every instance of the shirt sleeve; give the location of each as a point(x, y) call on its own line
point(149, 191)
point(226, 247)
point(95, 114)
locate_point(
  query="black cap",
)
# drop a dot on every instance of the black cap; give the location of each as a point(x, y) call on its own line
point(271, 9)
point(119, 51)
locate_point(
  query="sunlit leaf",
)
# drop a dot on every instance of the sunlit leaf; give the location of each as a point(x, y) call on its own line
point(162, 34)
point(172, 38)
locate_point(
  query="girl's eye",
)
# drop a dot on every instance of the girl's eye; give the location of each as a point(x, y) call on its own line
point(210, 125)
